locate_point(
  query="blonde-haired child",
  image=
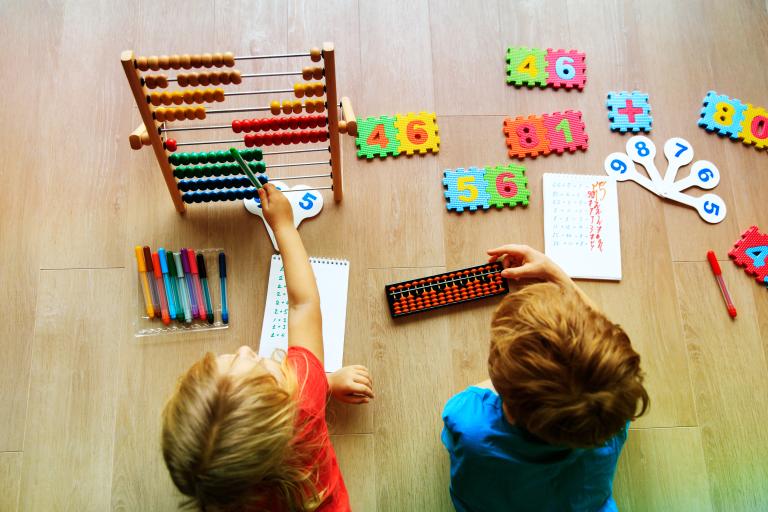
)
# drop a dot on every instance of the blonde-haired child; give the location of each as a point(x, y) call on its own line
point(545, 432)
point(244, 433)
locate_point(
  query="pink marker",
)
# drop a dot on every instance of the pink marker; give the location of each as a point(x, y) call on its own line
point(196, 279)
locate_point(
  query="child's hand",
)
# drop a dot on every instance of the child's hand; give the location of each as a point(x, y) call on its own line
point(524, 262)
point(351, 384)
point(276, 207)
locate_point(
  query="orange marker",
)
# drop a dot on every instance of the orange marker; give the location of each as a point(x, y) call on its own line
point(160, 288)
point(144, 283)
point(719, 276)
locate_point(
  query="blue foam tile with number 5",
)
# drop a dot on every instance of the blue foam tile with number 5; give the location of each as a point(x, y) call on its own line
point(722, 115)
point(465, 189)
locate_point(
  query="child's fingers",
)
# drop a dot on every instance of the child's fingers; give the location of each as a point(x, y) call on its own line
point(516, 272)
point(362, 379)
point(361, 389)
point(352, 399)
point(515, 249)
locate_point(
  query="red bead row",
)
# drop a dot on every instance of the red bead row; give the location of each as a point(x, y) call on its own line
point(292, 137)
point(279, 123)
point(450, 295)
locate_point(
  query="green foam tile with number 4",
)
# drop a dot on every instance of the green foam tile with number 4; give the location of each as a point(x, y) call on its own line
point(377, 136)
point(527, 66)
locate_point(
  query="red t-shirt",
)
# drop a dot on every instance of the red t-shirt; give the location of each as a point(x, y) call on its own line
point(313, 394)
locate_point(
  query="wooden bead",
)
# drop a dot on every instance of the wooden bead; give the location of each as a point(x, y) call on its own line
point(297, 107)
point(217, 59)
point(186, 61)
point(208, 95)
point(207, 60)
point(177, 98)
point(225, 78)
point(287, 107)
point(150, 81)
point(228, 59)
point(175, 61)
point(235, 77)
point(182, 79)
point(309, 106)
point(298, 90)
point(319, 106)
point(162, 81)
point(194, 80)
point(274, 107)
point(170, 145)
point(196, 60)
point(164, 62)
point(160, 114)
point(166, 98)
point(306, 73)
point(198, 96)
point(204, 78)
point(319, 89)
point(315, 54)
point(189, 97)
point(200, 112)
point(141, 64)
point(181, 113)
point(218, 94)
point(342, 127)
point(318, 73)
point(153, 62)
point(154, 99)
point(214, 79)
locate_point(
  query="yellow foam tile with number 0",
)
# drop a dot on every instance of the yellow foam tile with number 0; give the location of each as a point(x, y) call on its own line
point(754, 127)
point(417, 133)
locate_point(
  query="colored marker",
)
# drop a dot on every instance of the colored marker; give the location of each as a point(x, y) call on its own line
point(246, 169)
point(144, 283)
point(160, 288)
point(196, 280)
point(161, 256)
point(190, 284)
point(223, 286)
point(152, 284)
point(174, 289)
point(719, 276)
point(206, 292)
point(183, 297)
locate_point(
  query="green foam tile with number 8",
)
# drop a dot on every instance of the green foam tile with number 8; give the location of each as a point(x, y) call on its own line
point(507, 185)
point(377, 136)
point(527, 66)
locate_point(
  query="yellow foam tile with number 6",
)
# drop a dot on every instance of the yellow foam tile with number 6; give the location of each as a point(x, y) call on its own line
point(754, 127)
point(417, 133)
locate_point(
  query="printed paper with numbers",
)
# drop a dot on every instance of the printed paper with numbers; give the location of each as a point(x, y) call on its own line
point(581, 225)
point(332, 278)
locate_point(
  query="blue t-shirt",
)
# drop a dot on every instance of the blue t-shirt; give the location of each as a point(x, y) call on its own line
point(498, 466)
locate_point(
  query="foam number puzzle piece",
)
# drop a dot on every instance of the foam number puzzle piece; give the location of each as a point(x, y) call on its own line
point(566, 69)
point(565, 130)
point(417, 133)
point(722, 115)
point(377, 136)
point(305, 202)
point(754, 127)
point(466, 189)
point(527, 66)
point(526, 136)
point(751, 252)
point(629, 111)
point(507, 185)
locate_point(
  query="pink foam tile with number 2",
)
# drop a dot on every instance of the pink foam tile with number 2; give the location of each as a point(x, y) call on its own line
point(566, 131)
point(417, 133)
point(751, 252)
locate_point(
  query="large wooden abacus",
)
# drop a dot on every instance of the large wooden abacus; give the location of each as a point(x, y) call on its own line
point(198, 177)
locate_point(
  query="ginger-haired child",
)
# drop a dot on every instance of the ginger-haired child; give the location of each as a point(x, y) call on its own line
point(245, 433)
point(545, 432)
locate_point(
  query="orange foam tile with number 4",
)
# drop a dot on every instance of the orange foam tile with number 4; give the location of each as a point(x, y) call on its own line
point(385, 136)
point(541, 135)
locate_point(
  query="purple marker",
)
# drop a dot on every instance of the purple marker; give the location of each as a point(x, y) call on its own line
point(190, 284)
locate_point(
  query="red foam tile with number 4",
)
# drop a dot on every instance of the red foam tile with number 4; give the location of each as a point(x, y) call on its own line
point(566, 131)
point(526, 136)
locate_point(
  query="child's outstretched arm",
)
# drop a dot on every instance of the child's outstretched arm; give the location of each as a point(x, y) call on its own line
point(524, 262)
point(305, 323)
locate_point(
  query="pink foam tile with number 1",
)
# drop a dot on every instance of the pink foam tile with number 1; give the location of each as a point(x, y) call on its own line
point(566, 69)
point(751, 252)
point(566, 131)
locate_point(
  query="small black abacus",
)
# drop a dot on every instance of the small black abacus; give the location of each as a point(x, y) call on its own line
point(418, 295)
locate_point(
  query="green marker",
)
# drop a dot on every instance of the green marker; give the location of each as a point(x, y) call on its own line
point(245, 168)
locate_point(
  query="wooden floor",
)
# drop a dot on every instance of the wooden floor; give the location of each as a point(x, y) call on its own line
point(80, 397)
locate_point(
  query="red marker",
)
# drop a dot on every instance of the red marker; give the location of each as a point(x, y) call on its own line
point(719, 276)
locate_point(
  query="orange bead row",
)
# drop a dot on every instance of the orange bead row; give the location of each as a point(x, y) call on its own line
point(179, 113)
point(451, 295)
point(186, 61)
point(309, 72)
point(188, 97)
point(296, 106)
point(309, 90)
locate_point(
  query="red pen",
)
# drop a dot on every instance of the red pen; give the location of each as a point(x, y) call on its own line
point(719, 276)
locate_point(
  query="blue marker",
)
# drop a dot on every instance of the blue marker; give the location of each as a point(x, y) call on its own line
point(223, 286)
point(168, 290)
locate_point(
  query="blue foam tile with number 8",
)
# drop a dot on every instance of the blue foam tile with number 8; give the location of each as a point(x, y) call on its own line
point(629, 111)
point(466, 189)
point(722, 115)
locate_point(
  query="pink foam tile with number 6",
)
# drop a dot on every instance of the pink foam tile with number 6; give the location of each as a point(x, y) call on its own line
point(566, 131)
point(751, 252)
point(566, 69)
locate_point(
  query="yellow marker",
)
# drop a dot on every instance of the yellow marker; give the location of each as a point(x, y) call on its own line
point(143, 278)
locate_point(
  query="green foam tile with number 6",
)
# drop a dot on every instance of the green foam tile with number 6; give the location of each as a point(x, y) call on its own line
point(507, 185)
point(377, 136)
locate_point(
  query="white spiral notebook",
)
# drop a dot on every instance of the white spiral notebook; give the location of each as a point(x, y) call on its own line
point(332, 278)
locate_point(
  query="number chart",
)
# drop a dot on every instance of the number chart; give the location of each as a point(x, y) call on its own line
point(730, 117)
point(473, 188)
point(536, 67)
point(446, 289)
point(629, 111)
point(679, 153)
point(751, 252)
point(393, 135)
point(540, 135)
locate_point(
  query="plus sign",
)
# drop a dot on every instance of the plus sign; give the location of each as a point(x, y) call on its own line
point(630, 110)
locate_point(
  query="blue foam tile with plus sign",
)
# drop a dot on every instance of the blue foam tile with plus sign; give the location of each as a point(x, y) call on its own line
point(465, 189)
point(629, 111)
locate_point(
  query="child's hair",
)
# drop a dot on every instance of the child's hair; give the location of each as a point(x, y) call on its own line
point(564, 372)
point(230, 442)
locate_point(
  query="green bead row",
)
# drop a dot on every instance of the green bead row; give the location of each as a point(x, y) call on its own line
point(206, 171)
point(213, 157)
